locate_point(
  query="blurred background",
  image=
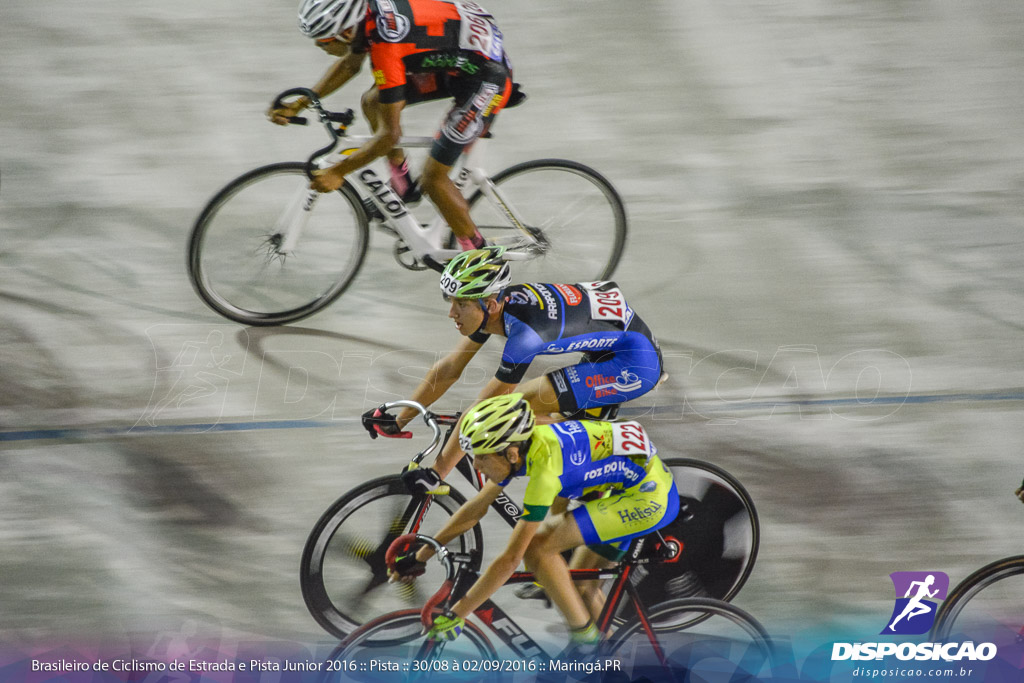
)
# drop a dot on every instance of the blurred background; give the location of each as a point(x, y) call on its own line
point(825, 208)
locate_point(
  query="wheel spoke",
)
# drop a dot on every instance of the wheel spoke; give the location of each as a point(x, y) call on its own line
point(718, 528)
point(985, 605)
point(236, 262)
point(577, 217)
point(343, 572)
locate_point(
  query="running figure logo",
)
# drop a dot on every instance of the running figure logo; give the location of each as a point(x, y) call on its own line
point(914, 612)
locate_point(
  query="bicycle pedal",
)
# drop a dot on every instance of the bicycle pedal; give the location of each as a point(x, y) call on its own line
point(532, 591)
point(429, 262)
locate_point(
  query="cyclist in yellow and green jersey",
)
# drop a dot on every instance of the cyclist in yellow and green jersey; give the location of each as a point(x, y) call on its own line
point(561, 461)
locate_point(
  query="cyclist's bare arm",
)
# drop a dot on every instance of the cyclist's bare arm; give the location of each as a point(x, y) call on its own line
point(500, 569)
point(339, 73)
point(537, 391)
point(383, 141)
point(558, 507)
point(451, 454)
point(440, 378)
point(464, 519)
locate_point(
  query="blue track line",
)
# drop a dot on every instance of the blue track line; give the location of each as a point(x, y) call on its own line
point(78, 433)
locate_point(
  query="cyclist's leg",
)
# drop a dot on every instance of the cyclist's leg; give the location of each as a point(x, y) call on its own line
point(477, 102)
point(590, 591)
point(607, 525)
point(600, 381)
point(544, 558)
point(420, 88)
point(450, 203)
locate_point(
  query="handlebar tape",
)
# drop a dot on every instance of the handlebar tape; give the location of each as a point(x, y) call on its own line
point(427, 613)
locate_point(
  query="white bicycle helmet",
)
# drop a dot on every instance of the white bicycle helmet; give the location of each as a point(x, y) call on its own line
point(320, 19)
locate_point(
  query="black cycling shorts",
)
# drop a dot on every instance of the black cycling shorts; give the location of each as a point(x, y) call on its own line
point(478, 99)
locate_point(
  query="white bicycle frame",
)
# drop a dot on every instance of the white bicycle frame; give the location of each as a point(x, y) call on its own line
point(422, 240)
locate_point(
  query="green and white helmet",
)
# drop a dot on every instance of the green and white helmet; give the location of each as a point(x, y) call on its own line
point(496, 423)
point(476, 274)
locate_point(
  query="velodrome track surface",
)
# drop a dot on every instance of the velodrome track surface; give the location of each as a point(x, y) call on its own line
point(825, 206)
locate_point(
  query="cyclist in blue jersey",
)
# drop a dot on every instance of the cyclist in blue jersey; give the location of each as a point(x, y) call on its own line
point(621, 358)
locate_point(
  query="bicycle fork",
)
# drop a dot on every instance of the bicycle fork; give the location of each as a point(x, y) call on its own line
point(290, 224)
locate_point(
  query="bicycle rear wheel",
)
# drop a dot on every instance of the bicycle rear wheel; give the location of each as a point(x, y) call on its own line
point(732, 633)
point(573, 211)
point(342, 571)
point(235, 258)
point(987, 603)
point(719, 531)
point(407, 652)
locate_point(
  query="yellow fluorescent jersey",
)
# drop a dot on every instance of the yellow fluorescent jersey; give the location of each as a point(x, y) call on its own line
point(570, 459)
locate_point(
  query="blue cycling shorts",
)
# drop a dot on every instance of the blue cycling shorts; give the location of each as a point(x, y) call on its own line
point(609, 378)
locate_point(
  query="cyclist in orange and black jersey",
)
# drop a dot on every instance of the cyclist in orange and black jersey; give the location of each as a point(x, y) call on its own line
point(443, 39)
point(420, 50)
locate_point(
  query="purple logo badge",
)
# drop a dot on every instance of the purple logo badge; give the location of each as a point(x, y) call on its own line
point(917, 596)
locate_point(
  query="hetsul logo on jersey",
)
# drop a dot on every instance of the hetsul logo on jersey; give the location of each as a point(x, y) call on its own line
point(917, 596)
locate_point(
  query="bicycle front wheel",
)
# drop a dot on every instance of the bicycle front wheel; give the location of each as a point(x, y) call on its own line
point(987, 602)
point(257, 257)
point(407, 651)
point(573, 212)
point(343, 574)
point(719, 532)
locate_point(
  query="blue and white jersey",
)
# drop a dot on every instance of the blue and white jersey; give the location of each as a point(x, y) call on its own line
point(549, 319)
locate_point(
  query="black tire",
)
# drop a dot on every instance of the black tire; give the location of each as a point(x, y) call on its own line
point(572, 207)
point(720, 534)
point(1005, 594)
point(342, 572)
point(398, 638)
point(722, 621)
point(233, 258)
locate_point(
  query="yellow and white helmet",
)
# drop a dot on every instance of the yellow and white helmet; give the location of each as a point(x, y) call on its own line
point(494, 424)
